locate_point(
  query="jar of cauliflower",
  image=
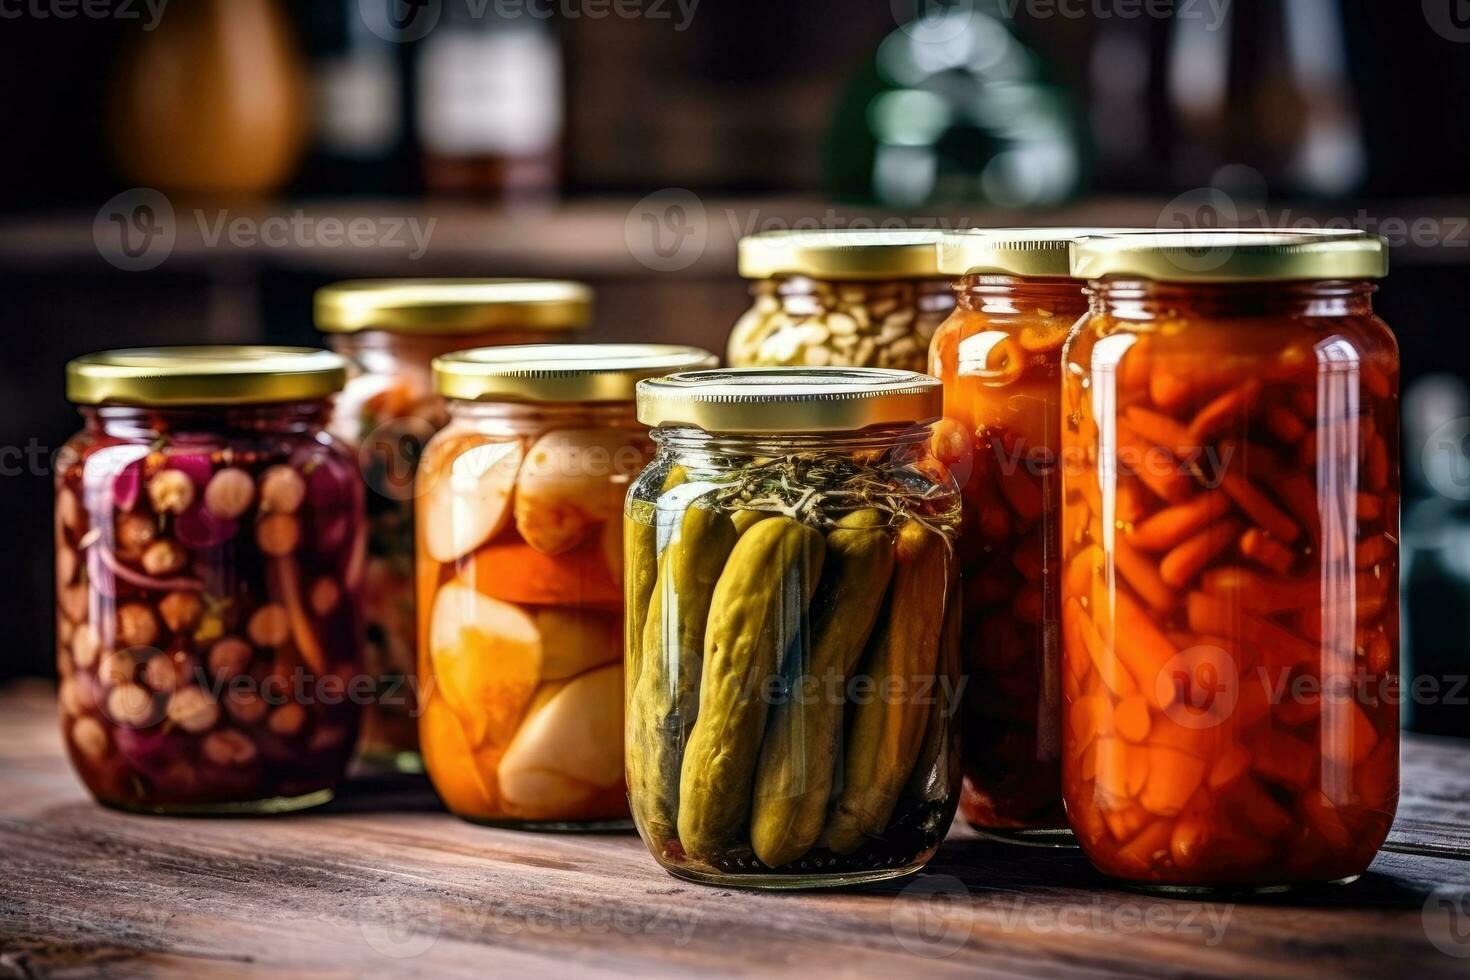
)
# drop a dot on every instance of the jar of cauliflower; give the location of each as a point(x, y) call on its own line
point(519, 560)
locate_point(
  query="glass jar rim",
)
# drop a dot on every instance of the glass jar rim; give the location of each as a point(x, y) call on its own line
point(560, 372)
point(844, 254)
point(790, 400)
point(204, 376)
point(1233, 256)
point(441, 306)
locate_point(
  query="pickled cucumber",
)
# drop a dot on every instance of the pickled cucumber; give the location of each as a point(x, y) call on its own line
point(889, 723)
point(664, 698)
point(760, 603)
point(794, 776)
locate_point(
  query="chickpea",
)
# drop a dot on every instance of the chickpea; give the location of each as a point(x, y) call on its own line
point(131, 706)
point(229, 658)
point(181, 611)
point(68, 509)
point(116, 668)
point(245, 706)
point(281, 490)
point(89, 738)
point(68, 695)
point(270, 626)
point(164, 558)
point(229, 748)
point(170, 492)
point(137, 626)
point(73, 602)
point(165, 672)
point(287, 720)
point(66, 566)
point(230, 493)
point(324, 596)
point(193, 710)
point(84, 646)
point(278, 535)
point(134, 534)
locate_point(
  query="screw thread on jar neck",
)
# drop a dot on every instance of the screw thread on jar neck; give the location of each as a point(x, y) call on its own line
point(997, 295)
point(1127, 298)
point(133, 420)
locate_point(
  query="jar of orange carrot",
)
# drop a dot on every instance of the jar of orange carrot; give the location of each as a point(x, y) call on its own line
point(519, 563)
point(1230, 560)
point(1000, 357)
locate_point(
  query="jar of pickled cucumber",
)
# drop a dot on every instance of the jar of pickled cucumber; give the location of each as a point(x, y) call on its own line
point(840, 298)
point(1000, 357)
point(209, 564)
point(1230, 554)
point(520, 561)
point(792, 627)
point(390, 331)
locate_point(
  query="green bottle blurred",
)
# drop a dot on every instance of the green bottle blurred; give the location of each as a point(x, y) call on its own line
point(956, 109)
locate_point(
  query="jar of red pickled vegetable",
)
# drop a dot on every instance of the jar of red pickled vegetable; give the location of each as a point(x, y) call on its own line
point(1230, 560)
point(209, 562)
point(1000, 356)
point(520, 565)
point(390, 331)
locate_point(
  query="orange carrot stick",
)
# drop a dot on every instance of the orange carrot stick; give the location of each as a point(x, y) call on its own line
point(1108, 667)
point(1161, 430)
point(1260, 548)
point(1299, 494)
point(1172, 779)
point(1153, 464)
point(1183, 563)
point(1259, 508)
point(1261, 594)
point(1370, 507)
point(1273, 645)
point(1224, 412)
point(1284, 424)
point(1141, 574)
point(1172, 526)
point(1142, 647)
point(1372, 550)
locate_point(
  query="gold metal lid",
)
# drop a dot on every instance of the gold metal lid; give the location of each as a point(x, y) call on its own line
point(791, 400)
point(824, 254)
point(446, 306)
point(1234, 256)
point(163, 376)
point(1039, 252)
point(560, 372)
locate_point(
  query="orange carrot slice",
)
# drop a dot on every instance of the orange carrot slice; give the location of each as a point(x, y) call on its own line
point(1142, 647)
point(1131, 719)
point(1161, 430)
point(513, 571)
point(1172, 779)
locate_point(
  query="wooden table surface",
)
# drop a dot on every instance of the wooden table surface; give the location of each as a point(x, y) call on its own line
point(383, 882)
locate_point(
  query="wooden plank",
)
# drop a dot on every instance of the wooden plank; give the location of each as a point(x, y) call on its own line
point(384, 882)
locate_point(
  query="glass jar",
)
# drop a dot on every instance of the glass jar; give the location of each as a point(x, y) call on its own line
point(792, 621)
point(520, 557)
point(390, 331)
point(209, 561)
point(840, 299)
point(1000, 357)
point(1230, 560)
